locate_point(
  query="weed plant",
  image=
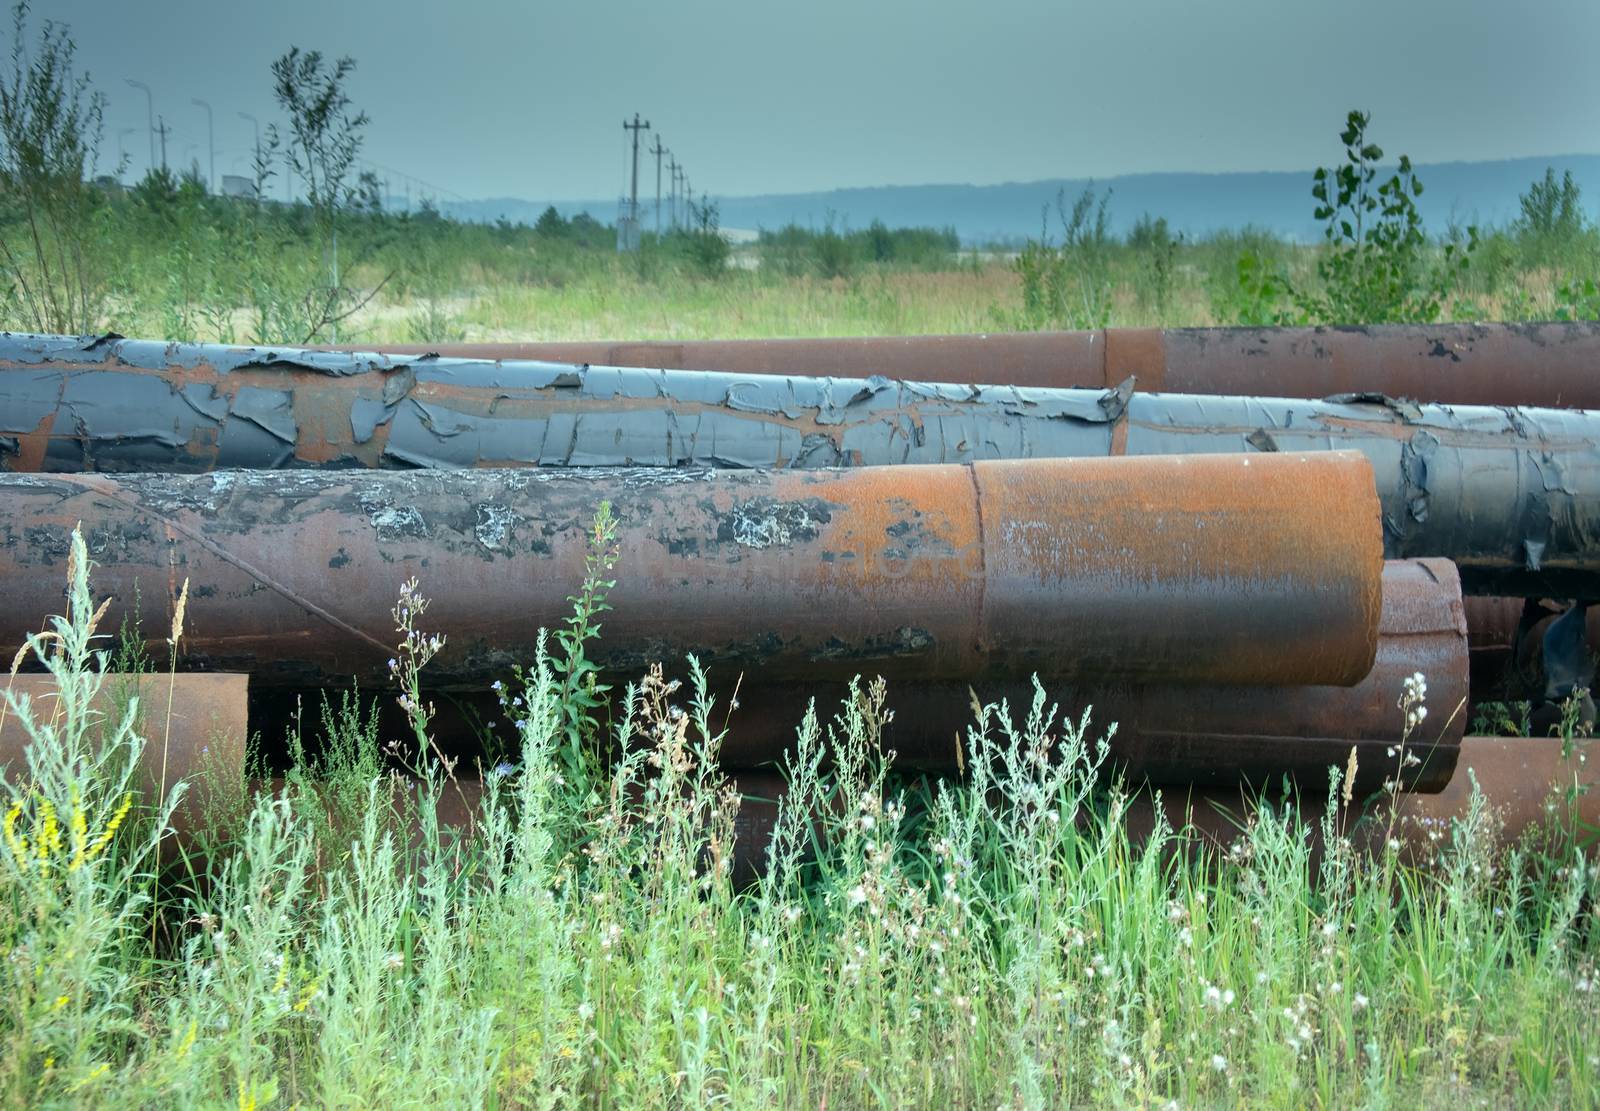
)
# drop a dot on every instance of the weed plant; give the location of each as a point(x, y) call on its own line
point(997, 940)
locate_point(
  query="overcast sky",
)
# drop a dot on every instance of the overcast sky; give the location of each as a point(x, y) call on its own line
point(486, 98)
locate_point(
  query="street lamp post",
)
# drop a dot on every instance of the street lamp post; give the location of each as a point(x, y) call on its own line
point(211, 141)
point(150, 111)
point(255, 167)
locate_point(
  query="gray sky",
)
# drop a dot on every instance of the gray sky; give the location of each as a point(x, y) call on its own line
point(499, 98)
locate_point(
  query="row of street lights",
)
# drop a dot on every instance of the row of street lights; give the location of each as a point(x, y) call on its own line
point(211, 132)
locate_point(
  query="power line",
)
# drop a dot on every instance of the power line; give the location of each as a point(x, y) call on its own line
point(658, 150)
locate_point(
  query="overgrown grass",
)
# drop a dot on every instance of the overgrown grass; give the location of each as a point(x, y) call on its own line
point(165, 260)
point(996, 941)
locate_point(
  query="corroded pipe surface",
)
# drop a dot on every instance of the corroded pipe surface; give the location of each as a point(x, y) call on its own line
point(1246, 569)
point(203, 737)
point(1512, 496)
point(1201, 734)
point(1550, 364)
point(1506, 638)
point(1529, 787)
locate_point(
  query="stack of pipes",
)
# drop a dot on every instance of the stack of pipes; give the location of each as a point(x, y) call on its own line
point(1241, 583)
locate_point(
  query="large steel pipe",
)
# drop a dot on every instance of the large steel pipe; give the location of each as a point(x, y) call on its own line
point(194, 729)
point(1531, 787)
point(1245, 569)
point(1219, 735)
point(1547, 364)
point(1513, 496)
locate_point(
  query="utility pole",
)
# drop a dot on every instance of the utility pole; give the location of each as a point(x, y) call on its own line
point(150, 113)
point(677, 177)
point(630, 238)
point(658, 150)
point(162, 131)
point(211, 141)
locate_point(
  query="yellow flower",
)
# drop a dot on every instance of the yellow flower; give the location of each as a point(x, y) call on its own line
point(188, 1041)
point(99, 1070)
point(110, 831)
point(80, 831)
point(17, 844)
point(49, 831)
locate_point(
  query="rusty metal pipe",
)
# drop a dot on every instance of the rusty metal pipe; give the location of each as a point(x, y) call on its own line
point(1529, 785)
point(1247, 569)
point(1510, 495)
point(1218, 735)
point(1546, 364)
point(201, 739)
point(1506, 639)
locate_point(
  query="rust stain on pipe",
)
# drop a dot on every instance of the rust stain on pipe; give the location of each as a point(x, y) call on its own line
point(1543, 364)
point(204, 737)
point(1199, 734)
point(1247, 569)
point(1506, 640)
point(1529, 785)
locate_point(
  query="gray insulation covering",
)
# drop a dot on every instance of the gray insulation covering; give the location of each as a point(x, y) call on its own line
point(1511, 494)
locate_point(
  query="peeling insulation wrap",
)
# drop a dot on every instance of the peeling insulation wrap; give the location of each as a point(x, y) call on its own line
point(1547, 364)
point(1198, 569)
point(1511, 495)
point(1220, 735)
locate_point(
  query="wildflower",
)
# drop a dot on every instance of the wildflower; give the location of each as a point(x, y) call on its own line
point(16, 843)
point(1219, 1062)
point(1359, 1003)
point(177, 615)
point(858, 895)
point(394, 962)
point(188, 1041)
point(111, 827)
point(585, 1010)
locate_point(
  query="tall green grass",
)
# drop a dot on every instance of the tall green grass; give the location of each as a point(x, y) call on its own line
point(993, 941)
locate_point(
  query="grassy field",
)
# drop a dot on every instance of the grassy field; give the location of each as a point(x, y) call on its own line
point(995, 941)
point(165, 260)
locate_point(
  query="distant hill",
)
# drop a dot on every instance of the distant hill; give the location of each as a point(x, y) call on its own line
point(1484, 193)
